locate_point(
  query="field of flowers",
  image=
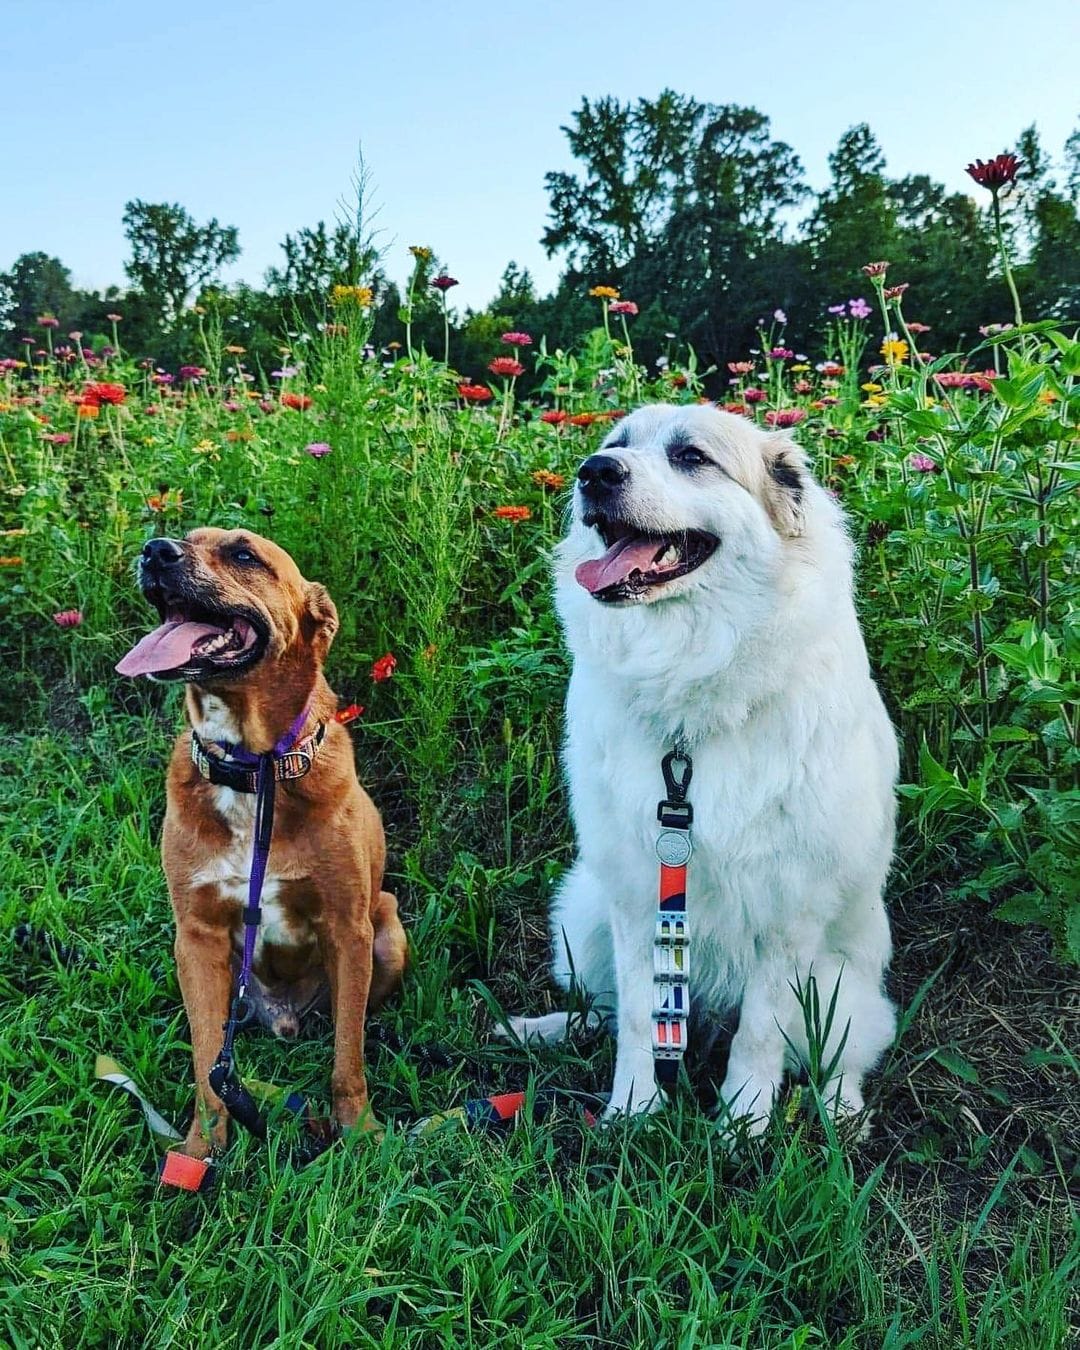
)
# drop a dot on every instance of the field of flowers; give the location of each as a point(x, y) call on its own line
point(426, 500)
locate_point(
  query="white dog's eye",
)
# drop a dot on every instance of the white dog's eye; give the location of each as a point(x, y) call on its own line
point(687, 456)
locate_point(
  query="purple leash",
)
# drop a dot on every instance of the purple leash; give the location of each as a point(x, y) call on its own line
point(223, 1077)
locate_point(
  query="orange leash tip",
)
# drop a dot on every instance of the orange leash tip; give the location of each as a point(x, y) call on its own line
point(188, 1174)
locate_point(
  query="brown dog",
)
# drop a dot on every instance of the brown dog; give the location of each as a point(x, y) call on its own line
point(248, 635)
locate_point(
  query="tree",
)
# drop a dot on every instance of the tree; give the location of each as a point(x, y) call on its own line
point(37, 285)
point(172, 256)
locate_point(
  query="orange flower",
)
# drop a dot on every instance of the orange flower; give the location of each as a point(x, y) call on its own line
point(300, 402)
point(604, 293)
point(12, 561)
point(235, 351)
point(582, 419)
point(514, 513)
point(550, 482)
point(167, 501)
point(90, 410)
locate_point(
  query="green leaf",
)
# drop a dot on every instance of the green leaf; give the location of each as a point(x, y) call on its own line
point(1026, 907)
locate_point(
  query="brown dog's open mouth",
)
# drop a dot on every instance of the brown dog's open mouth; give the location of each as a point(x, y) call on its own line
point(195, 644)
point(636, 561)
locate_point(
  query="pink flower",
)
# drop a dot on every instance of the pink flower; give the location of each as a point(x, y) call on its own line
point(68, 618)
point(781, 354)
point(47, 321)
point(57, 438)
point(317, 449)
point(753, 395)
point(516, 339)
point(785, 417)
point(507, 366)
point(114, 318)
point(859, 309)
point(922, 464)
point(231, 405)
point(623, 307)
point(741, 367)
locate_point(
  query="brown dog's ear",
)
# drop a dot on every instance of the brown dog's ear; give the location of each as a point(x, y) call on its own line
point(785, 486)
point(320, 615)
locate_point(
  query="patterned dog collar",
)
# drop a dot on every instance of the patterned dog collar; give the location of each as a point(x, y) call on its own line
point(232, 766)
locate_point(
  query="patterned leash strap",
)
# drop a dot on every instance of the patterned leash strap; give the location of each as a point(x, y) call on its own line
point(671, 940)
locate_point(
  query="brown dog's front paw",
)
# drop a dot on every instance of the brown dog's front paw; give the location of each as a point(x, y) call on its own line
point(354, 1113)
point(201, 1142)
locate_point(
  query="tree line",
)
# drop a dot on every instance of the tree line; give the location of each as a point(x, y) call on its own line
point(693, 210)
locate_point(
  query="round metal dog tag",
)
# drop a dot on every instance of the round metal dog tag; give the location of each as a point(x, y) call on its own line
point(673, 847)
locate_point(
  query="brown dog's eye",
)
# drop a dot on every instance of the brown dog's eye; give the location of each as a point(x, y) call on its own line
point(242, 555)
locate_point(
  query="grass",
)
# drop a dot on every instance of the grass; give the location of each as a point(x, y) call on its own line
point(951, 1225)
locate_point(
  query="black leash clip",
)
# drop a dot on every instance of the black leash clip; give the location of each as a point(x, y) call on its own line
point(675, 812)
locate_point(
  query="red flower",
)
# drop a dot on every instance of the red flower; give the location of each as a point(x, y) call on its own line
point(996, 173)
point(895, 292)
point(876, 269)
point(104, 393)
point(553, 417)
point(785, 417)
point(516, 339)
point(582, 419)
point(300, 402)
point(383, 668)
point(738, 408)
point(68, 618)
point(514, 513)
point(442, 282)
point(474, 393)
point(349, 714)
point(506, 365)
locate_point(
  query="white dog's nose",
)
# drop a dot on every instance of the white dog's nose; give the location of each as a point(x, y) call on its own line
point(602, 473)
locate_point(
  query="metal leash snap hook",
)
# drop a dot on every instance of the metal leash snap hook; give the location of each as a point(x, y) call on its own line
point(677, 779)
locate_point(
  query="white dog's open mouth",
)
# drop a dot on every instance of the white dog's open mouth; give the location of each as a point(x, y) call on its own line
point(637, 561)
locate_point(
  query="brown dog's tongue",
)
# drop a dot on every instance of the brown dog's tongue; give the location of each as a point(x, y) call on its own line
point(617, 563)
point(166, 647)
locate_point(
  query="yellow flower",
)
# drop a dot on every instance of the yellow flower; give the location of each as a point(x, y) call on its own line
point(604, 293)
point(419, 252)
point(895, 351)
point(798, 369)
point(875, 401)
point(870, 388)
point(236, 351)
point(6, 407)
point(352, 295)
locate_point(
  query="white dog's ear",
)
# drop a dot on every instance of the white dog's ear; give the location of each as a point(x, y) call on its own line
point(785, 485)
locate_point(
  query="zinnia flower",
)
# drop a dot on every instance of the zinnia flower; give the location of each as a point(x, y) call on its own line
point(739, 409)
point(474, 393)
point(442, 282)
point(604, 293)
point(47, 321)
point(192, 373)
point(585, 419)
point(383, 668)
point(895, 292)
point(781, 354)
point(785, 417)
point(623, 307)
point(114, 318)
point(741, 367)
point(553, 416)
point(922, 464)
point(995, 173)
point(895, 351)
point(754, 395)
point(830, 369)
point(550, 482)
point(349, 714)
point(317, 449)
point(301, 402)
point(68, 618)
point(420, 252)
point(514, 513)
point(352, 295)
point(88, 410)
point(57, 438)
point(104, 393)
point(516, 339)
point(506, 365)
point(876, 269)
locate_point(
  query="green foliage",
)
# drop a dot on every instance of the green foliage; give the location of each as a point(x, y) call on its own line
point(172, 256)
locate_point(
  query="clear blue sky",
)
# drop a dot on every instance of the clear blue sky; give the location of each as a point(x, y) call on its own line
point(254, 112)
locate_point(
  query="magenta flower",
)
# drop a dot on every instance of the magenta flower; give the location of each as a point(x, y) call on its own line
point(859, 309)
point(193, 373)
point(516, 339)
point(317, 449)
point(68, 618)
point(442, 282)
point(922, 464)
point(47, 321)
point(57, 437)
point(754, 395)
point(785, 417)
point(837, 309)
point(781, 354)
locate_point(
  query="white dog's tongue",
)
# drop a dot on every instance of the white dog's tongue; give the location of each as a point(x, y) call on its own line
point(617, 563)
point(166, 648)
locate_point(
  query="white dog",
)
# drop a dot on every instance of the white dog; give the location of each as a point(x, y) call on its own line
point(705, 588)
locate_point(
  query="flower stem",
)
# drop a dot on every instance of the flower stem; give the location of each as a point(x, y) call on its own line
point(1003, 250)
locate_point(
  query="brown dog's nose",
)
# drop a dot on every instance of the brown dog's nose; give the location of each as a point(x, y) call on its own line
point(602, 473)
point(161, 553)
